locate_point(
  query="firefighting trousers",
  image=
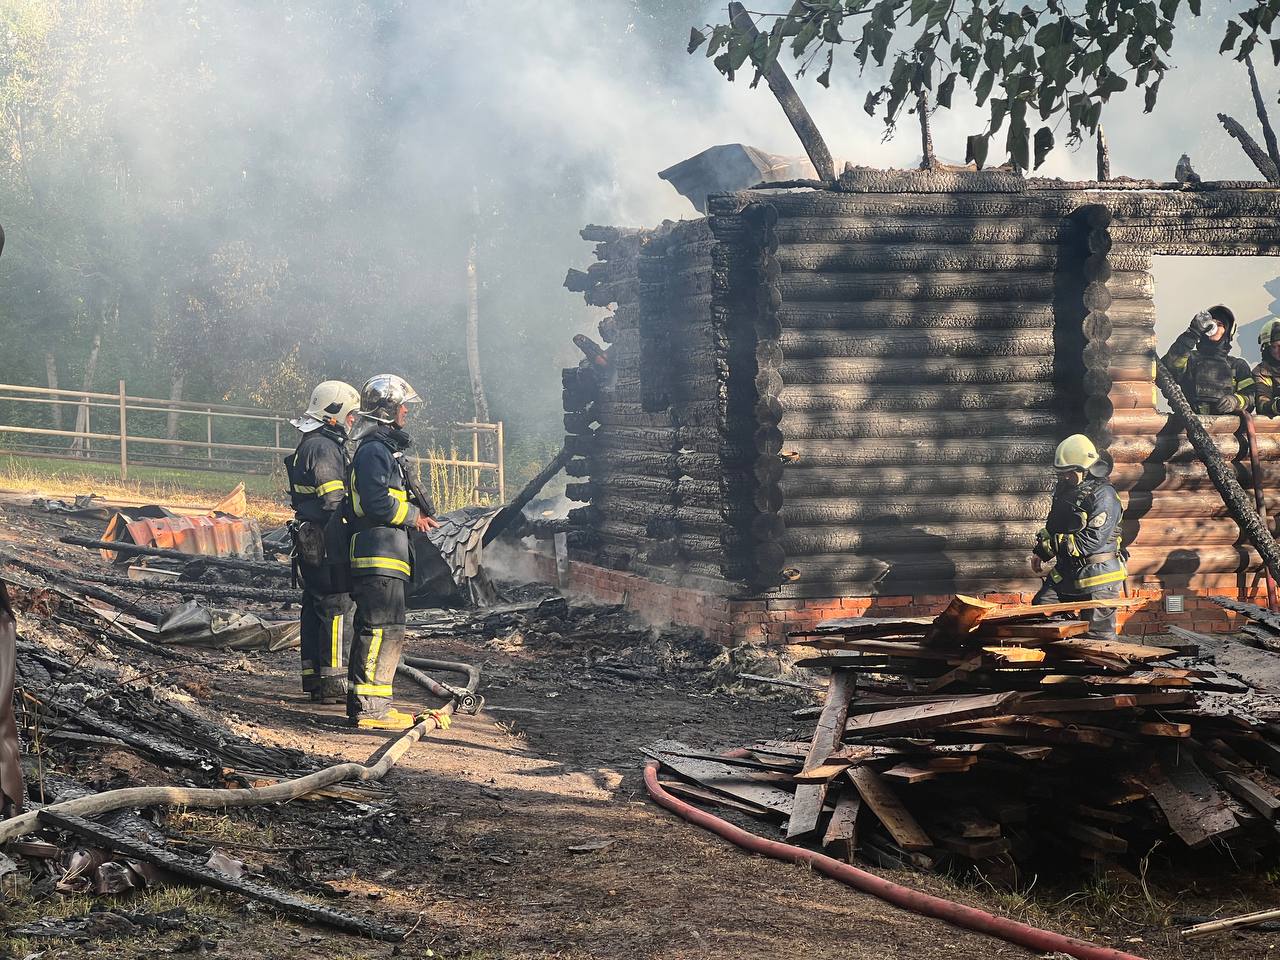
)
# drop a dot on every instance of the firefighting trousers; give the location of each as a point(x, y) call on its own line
point(327, 615)
point(1102, 620)
point(378, 645)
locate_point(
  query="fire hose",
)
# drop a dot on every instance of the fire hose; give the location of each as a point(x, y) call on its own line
point(216, 799)
point(970, 918)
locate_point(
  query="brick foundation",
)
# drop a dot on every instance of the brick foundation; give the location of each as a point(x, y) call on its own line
point(731, 621)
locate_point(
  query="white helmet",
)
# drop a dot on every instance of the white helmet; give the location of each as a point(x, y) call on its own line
point(331, 402)
point(1077, 452)
point(381, 397)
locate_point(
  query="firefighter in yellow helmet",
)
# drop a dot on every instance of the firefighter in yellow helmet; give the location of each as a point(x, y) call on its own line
point(317, 473)
point(1081, 537)
point(1266, 373)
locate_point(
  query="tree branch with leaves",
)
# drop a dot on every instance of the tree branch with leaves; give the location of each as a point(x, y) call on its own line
point(1029, 65)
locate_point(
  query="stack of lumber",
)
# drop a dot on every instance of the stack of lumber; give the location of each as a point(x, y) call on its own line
point(1000, 737)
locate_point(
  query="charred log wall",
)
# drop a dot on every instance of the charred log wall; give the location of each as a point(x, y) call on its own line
point(648, 439)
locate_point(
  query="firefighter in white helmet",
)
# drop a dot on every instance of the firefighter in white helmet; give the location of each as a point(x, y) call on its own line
point(1081, 537)
point(317, 488)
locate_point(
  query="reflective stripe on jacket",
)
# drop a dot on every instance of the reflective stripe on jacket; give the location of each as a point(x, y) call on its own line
point(1083, 536)
point(380, 513)
point(317, 471)
point(1265, 375)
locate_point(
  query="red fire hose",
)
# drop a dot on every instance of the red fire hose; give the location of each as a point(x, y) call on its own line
point(970, 918)
point(1258, 498)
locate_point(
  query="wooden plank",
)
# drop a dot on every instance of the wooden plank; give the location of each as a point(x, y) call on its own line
point(952, 676)
point(1084, 704)
point(841, 839)
point(930, 715)
point(760, 790)
point(975, 849)
point(956, 622)
point(810, 797)
point(1255, 795)
point(1113, 648)
point(1194, 807)
point(1031, 632)
point(1095, 837)
point(689, 792)
point(1007, 614)
point(1016, 654)
point(887, 647)
point(909, 773)
point(1152, 728)
point(888, 809)
point(869, 626)
point(841, 760)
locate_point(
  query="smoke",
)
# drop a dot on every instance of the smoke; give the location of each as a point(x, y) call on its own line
point(299, 177)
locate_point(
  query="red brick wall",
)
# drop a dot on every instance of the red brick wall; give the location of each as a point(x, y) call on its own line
point(732, 621)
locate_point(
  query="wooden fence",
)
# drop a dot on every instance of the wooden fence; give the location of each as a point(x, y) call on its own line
point(117, 427)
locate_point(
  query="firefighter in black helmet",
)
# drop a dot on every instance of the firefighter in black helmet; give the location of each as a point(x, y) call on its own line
point(1214, 381)
point(1081, 537)
point(379, 516)
point(317, 488)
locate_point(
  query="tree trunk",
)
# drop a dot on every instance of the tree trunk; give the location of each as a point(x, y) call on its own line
point(51, 375)
point(473, 328)
point(79, 445)
point(171, 425)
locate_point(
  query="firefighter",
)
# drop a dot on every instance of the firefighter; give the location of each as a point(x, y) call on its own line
point(1267, 372)
point(317, 473)
point(1081, 536)
point(379, 516)
point(1214, 381)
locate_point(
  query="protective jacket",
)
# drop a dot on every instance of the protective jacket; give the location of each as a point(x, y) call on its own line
point(1082, 534)
point(1208, 373)
point(379, 514)
point(317, 474)
point(1265, 376)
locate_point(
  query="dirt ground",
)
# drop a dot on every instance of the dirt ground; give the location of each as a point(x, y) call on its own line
point(472, 843)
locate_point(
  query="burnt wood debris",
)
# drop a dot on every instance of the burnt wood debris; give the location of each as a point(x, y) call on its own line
point(999, 739)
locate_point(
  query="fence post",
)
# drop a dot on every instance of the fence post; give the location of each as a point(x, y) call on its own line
point(124, 438)
point(208, 433)
point(277, 434)
point(88, 429)
point(475, 471)
point(502, 470)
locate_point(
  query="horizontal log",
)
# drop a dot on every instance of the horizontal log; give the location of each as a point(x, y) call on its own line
point(921, 372)
point(887, 541)
point(1175, 533)
point(1133, 395)
point(1188, 476)
point(1176, 449)
point(805, 480)
point(998, 423)
point(893, 314)
point(918, 342)
point(843, 399)
point(836, 454)
point(994, 508)
point(939, 230)
point(916, 286)
point(1173, 503)
point(917, 257)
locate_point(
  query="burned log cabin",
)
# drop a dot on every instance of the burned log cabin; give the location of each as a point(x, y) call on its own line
point(849, 398)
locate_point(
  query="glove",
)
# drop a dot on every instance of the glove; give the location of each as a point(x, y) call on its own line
point(1037, 565)
point(1203, 324)
point(1228, 404)
point(442, 719)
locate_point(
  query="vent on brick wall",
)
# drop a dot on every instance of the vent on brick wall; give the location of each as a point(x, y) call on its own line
point(1172, 603)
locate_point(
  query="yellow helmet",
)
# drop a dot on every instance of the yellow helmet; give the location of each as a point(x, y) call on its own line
point(1269, 334)
point(1077, 451)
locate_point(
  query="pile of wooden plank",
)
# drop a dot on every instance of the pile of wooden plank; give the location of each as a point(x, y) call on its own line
point(1000, 737)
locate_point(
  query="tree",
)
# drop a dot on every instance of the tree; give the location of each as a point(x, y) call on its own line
point(1029, 64)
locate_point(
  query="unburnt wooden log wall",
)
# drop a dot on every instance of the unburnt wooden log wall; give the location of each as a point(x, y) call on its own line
point(832, 393)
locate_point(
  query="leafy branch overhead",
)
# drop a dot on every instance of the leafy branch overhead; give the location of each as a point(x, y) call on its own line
point(1030, 65)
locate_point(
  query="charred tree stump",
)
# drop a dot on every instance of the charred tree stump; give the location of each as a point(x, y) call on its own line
point(1104, 156)
point(1222, 473)
point(928, 160)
